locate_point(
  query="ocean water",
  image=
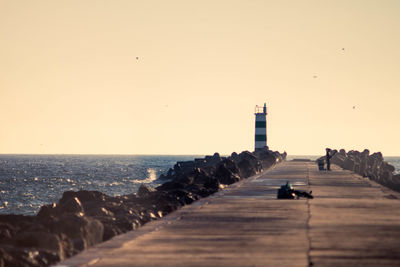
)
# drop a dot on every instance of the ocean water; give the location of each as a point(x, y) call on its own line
point(29, 181)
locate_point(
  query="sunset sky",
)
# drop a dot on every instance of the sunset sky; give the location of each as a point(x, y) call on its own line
point(183, 77)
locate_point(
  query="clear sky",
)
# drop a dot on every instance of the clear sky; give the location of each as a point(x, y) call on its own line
point(183, 76)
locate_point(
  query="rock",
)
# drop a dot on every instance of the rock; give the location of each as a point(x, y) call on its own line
point(203, 179)
point(169, 175)
point(248, 164)
point(270, 160)
point(357, 163)
point(72, 205)
point(94, 210)
point(364, 163)
point(387, 167)
point(170, 172)
point(246, 169)
point(396, 179)
point(338, 159)
point(182, 167)
point(43, 241)
point(227, 172)
point(372, 166)
point(349, 164)
point(12, 256)
point(145, 190)
point(47, 211)
point(177, 168)
point(214, 160)
point(235, 157)
point(163, 177)
point(83, 196)
point(170, 186)
point(82, 231)
point(166, 203)
point(183, 196)
point(386, 177)
point(19, 221)
point(6, 231)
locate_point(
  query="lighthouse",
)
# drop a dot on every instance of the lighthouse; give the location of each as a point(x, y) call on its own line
point(261, 127)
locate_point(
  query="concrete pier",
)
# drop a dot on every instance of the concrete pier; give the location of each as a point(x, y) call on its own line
point(352, 221)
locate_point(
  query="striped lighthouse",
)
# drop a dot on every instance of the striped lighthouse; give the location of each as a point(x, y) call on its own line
point(261, 127)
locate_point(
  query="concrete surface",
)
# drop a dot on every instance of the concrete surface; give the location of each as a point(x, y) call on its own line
point(350, 222)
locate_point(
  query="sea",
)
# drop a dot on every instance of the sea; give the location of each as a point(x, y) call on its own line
point(28, 182)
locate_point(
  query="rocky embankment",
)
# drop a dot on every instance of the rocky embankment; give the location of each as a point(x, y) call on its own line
point(372, 166)
point(85, 218)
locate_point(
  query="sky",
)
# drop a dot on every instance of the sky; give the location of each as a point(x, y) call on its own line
point(184, 76)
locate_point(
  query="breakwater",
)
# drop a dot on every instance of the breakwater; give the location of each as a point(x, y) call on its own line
point(85, 218)
point(368, 165)
point(349, 223)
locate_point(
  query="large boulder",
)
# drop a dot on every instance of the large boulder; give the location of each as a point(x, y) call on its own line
point(270, 160)
point(248, 164)
point(364, 163)
point(227, 172)
point(84, 196)
point(214, 160)
point(44, 241)
point(71, 205)
point(348, 164)
point(83, 231)
point(235, 157)
point(339, 159)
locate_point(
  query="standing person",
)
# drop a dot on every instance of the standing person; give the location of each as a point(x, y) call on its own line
point(328, 159)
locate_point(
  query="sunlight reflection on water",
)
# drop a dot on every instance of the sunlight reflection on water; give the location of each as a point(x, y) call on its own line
point(29, 181)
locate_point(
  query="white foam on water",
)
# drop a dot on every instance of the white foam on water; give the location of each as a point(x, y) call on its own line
point(152, 176)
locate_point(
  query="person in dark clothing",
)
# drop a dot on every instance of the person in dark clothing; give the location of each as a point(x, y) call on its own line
point(288, 192)
point(328, 159)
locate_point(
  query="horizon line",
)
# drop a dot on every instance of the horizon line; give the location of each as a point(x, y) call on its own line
point(140, 154)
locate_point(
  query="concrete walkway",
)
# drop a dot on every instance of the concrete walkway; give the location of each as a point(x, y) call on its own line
point(350, 222)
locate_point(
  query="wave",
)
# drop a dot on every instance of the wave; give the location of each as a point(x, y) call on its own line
point(152, 176)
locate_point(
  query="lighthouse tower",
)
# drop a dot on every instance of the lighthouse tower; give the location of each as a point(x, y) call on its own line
point(261, 127)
